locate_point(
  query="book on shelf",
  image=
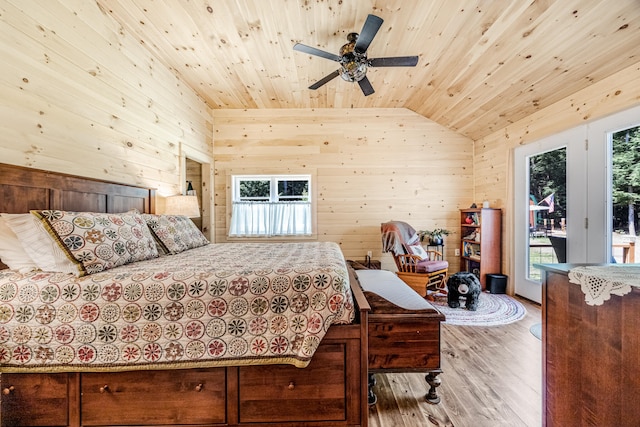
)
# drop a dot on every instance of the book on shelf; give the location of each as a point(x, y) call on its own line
point(467, 249)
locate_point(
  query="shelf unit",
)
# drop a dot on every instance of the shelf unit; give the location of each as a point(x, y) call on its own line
point(481, 255)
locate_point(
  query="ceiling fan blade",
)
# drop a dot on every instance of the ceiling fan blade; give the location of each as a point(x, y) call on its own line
point(369, 31)
point(317, 52)
point(365, 85)
point(397, 61)
point(325, 80)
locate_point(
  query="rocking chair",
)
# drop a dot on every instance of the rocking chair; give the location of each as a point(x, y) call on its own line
point(425, 271)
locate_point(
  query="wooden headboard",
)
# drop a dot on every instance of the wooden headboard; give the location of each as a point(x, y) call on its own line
point(23, 189)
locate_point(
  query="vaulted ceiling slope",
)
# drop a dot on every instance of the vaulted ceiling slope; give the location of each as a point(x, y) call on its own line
point(482, 64)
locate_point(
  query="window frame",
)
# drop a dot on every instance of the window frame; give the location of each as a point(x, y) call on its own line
point(233, 188)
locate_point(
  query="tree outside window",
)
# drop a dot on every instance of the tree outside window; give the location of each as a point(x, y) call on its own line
point(626, 180)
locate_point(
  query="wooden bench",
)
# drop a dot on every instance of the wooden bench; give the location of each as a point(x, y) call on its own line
point(403, 330)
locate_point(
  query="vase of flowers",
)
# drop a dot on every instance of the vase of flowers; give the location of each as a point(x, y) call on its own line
point(435, 236)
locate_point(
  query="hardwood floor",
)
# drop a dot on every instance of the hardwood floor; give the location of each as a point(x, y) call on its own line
point(492, 377)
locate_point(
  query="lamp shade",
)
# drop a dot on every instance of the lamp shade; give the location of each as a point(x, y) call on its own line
point(183, 205)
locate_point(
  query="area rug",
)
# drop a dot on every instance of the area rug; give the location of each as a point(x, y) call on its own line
point(536, 330)
point(493, 310)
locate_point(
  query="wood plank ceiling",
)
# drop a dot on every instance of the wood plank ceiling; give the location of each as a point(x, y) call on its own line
point(482, 63)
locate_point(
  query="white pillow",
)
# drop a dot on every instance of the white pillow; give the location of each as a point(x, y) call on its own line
point(11, 251)
point(40, 246)
point(419, 250)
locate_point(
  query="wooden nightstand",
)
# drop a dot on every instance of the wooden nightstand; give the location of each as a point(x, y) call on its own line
point(365, 264)
point(371, 264)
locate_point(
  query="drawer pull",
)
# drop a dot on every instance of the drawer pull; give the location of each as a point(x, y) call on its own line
point(104, 388)
point(199, 387)
point(8, 390)
point(291, 385)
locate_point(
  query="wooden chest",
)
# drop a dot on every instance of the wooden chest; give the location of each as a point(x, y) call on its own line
point(403, 330)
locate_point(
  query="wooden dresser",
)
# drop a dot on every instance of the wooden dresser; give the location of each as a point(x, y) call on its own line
point(328, 392)
point(591, 368)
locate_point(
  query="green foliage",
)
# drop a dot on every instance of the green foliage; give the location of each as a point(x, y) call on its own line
point(547, 175)
point(626, 178)
point(626, 166)
point(258, 189)
point(293, 190)
point(435, 233)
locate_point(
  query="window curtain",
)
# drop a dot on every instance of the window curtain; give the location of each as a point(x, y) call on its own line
point(270, 219)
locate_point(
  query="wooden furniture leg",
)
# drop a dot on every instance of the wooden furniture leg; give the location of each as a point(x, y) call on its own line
point(434, 381)
point(431, 397)
point(372, 398)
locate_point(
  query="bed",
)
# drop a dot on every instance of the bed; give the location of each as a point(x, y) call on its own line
point(209, 335)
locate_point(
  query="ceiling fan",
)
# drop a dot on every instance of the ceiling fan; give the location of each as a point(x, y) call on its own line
point(353, 57)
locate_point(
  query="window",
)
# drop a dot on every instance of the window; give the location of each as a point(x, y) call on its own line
point(270, 205)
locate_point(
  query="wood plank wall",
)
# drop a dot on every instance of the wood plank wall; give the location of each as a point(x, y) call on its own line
point(79, 95)
point(372, 166)
point(492, 166)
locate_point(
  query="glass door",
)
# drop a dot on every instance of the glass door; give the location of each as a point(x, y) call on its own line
point(546, 219)
point(601, 202)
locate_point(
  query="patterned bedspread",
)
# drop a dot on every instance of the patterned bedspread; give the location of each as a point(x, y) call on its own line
point(218, 305)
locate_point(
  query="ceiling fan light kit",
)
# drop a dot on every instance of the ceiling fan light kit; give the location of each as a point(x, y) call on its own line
point(353, 57)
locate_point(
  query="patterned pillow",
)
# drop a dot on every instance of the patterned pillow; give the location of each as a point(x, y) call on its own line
point(176, 233)
point(100, 241)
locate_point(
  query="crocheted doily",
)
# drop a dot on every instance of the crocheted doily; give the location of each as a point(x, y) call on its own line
point(599, 282)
